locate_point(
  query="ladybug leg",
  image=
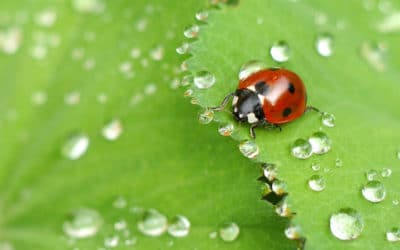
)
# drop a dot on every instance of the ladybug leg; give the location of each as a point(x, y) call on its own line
point(252, 127)
point(223, 103)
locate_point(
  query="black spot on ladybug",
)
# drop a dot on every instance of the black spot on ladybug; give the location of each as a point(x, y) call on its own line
point(286, 112)
point(291, 88)
point(261, 88)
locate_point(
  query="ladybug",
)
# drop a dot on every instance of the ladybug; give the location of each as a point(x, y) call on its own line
point(269, 98)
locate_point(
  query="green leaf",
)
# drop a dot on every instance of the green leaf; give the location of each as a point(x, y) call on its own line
point(74, 76)
point(358, 84)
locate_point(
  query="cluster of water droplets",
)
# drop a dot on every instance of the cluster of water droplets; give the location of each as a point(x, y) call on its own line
point(318, 143)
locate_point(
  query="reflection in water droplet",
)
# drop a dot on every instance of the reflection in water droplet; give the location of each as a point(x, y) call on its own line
point(328, 120)
point(371, 174)
point(192, 31)
point(346, 224)
point(179, 226)
point(226, 130)
point(204, 79)
point(82, 223)
point(316, 183)
point(386, 172)
point(279, 187)
point(270, 171)
point(374, 191)
point(112, 130)
point(111, 242)
point(72, 98)
point(229, 231)
point(152, 223)
point(280, 51)
point(206, 116)
point(202, 15)
point(320, 143)
point(375, 54)
point(292, 232)
point(324, 45)
point(249, 149)
point(75, 146)
point(251, 67)
point(393, 234)
point(301, 149)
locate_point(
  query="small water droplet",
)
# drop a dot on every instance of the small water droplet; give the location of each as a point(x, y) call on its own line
point(179, 226)
point(229, 231)
point(374, 191)
point(283, 209)
point(375, 54)
point(187, 80)
point(390, 23)
point(301, 149)
point(315, 166)
point(250, 68)
point(39, 98)
point(371, 174)
point(202, 15)
point(75, 146)
point(204, 79)
point(192, 31)
point(280, 51)
point(82, 223)
point(270, 171)
point(324, 45)
point(346, 224)
point(157, 54)
point(206, 116)
point(152, 223)
point(46, 18)
point(112, 130)
point(393, 234)
point(226, 130)
point(279, 187)
point(320, 18)
point(338, 162)
point(395, 202)
point(183, 49)
point(111, 242)
point(184, 66)
point(292, 232)
point(320, 143)
point(135, 53)
point(131, 241)
point(120, 225)
point(328, 120)
point(386, 172)
point(213, 235)
point(89, 64)
point(249, 149)
point(10, 40)
point(141, 25)
point(188, 93)
point(398, 155)
point(316, 183)
point(88, 6)
point(120, 202)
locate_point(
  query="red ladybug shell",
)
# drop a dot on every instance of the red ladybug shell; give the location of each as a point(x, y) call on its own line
point(283, 94)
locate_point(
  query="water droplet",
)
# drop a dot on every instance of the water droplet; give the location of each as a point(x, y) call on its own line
point(202, 15)
point(82, 223)
point(141, 25)
point(120, 202)
point(179, 226)
point(338, 163)
point(386, 172)
point(279, 187)
point(88, 6)
point(131, 241)
point(390, 23)
point(346, 224)
point(183, 49)
point(250, 68)
point(324, 45)
point(187, 80)
point(112, 130)
point(135, 53)
point(374, 191)
point(328, 120)
point(206, 116)
point(192, 31)
point(204, 79)
point(395, 202)
point(229, 231)
point(283, 209)
point(89, 64)
point(111, 242)
point(320, 143)
point(301, 149)
point(320, 18)
point(188, 93)
point(226, 130)
point(375, 54)
point(316, 183)
point(150, 89)
point(75, 146)
point(249, 149)
point(10, 40)
point(157, 54)
point(371, 174)
point(39, 98)
point(315, 166)
point(46, 18)
point(280, 51)
point(292, 232)
point(270, 171)
point(398, 155)
point(213, 235)
point(393, 234)
point(152, 223)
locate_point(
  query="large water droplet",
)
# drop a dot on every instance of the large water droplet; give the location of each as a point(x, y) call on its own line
point(393, 234)
point(328, 120)
point(346, 224)
point(324, 45)
point(75, 146)
point(386, 172)
point(82, 223)
point(292, 232)
point(320, 143)
point(152, 223)
point(316, 183)
point(301, 149)
point(112, 130)
point(192, 31)
point(280, 51)
point(250, 68)
point(229, 231)
point(249, 149)
point(374, 191)
point(279, 187)
point(179, 226)
point(226, 130)
point(204, 79)
point(206, 116)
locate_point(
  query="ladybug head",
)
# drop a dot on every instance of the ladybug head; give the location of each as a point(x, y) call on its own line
point(247, 106)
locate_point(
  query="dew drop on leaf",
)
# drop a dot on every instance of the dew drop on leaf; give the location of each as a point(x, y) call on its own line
point(280, 51)
point(374, 191)
point(213, 235)
point(191, 31)
point(152, 223)
point(202, 15)
point(88, 6)
point(283, 209)
point(206, 116)
point(371, 174)
point(179, 226)
point(324, 45)
point(320, 143)
point(226, 130)
point(39, 98)
point(386, 172)
point(393, 234)
point(315, 166)
point(112, 130)
point(390, 23)
point(82, 223)
point(111, 241)
point(328, 120)
point(251, 67)
point(316, 183)
point(130, 241)
point(187, 80)
point(204, 79)
point(249, 149)
point(229, 231)
point(120, 202)
point(120, 225)
point(338, 162)
point(346, 224)
point(270, 171)
point(10, 40)
point(301, 149)
point(279, 187)
point(375, 55)
point(292, 232)
point(183, 49)
point(188, 93)
point(75, 146)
